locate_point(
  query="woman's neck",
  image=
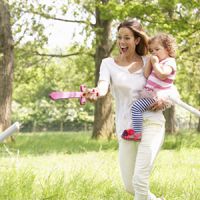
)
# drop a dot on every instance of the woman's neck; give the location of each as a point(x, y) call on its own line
point(127, 60)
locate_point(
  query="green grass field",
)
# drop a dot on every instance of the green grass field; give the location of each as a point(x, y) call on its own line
point(71, 166)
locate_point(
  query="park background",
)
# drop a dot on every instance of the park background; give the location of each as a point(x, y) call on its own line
point(56, 156)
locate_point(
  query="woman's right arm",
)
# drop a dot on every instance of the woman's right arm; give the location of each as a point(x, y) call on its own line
point(102, 86)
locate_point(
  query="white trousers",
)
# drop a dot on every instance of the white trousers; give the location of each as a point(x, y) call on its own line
point(136, 160)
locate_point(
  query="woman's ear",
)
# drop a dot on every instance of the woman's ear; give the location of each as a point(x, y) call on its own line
point(137, 40)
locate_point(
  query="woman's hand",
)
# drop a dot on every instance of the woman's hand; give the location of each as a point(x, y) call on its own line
point(91, 94)
point(159, 105)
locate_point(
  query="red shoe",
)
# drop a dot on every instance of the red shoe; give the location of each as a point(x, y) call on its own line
point(137, 137)
point(129, 134)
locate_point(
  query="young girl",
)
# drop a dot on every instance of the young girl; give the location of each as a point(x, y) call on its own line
point(160, 72)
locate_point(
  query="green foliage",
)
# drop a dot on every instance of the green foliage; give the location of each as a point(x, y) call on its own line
point(36, 76)
point(31, 103)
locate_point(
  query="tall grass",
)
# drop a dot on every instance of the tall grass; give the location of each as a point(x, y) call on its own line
point(71, 166)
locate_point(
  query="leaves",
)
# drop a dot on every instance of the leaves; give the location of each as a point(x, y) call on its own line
point(35, 75)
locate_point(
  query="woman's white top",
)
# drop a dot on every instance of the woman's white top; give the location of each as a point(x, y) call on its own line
point(125, 88)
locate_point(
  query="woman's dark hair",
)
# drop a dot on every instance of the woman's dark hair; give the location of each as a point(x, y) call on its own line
point(137, 30)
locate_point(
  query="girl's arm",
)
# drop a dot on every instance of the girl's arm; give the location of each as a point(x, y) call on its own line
point(161, 73)
point(147, 68)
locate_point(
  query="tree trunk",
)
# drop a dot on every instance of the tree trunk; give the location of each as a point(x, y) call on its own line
point(6, 66)
point(61, 126)
point(104, 119)
point(170, 124)
point(198, 127)
point(34, 127)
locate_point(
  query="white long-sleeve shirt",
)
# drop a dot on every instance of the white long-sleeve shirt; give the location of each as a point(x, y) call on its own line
point(125, 88)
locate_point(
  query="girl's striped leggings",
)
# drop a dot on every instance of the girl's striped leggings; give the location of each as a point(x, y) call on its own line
point(137, 109)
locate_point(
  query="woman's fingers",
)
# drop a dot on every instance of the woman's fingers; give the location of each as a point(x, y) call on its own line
point(158, 105)
point(91, 94)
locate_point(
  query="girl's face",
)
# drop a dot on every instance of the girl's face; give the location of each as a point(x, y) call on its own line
point(126, 41)
point(158, 50)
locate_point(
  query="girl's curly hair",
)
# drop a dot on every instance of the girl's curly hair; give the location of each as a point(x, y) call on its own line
point(167, 41)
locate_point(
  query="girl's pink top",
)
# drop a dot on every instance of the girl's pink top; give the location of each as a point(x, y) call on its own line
point(153, 82)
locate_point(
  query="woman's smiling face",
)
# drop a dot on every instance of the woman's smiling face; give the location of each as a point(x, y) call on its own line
point(126, 41)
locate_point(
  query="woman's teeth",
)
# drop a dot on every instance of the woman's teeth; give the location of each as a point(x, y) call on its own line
point(124, 49)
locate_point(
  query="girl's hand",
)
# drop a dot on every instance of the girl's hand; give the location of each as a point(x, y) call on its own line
point(154, 59)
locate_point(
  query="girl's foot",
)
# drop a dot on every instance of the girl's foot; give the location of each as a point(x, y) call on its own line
point(129, 134)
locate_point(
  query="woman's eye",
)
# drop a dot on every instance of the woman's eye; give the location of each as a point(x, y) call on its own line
point(125, 38)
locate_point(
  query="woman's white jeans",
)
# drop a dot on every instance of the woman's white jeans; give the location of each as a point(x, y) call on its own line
point(136, 160)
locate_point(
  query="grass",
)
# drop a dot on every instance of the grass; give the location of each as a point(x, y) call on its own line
point(71, 166)
point(67, 143)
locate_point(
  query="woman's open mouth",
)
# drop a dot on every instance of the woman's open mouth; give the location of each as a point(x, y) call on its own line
point(124, 49)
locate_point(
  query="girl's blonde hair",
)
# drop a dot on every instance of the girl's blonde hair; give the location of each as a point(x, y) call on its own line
point(167, 41)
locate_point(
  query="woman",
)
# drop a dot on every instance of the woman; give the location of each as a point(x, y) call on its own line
point(124, 75)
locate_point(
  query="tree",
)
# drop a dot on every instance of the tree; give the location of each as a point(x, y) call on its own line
point(103, 121)
point(170, 125)
point(168, 16)
point(189, 48)
point(6, 66)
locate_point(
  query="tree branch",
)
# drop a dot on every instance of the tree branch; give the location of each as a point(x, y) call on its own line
point(187, 48)
point(47, 16)
point(56, 55)
point(112, 47)
point(61, 55)
point(19, 40)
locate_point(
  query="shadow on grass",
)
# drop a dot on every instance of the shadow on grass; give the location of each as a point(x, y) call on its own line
point(56, 142)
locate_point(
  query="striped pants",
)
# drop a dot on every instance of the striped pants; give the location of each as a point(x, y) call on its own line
point(137, 109)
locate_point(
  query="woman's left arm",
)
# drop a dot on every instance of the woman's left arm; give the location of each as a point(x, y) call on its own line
point(165, 103)
point(160, 104)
